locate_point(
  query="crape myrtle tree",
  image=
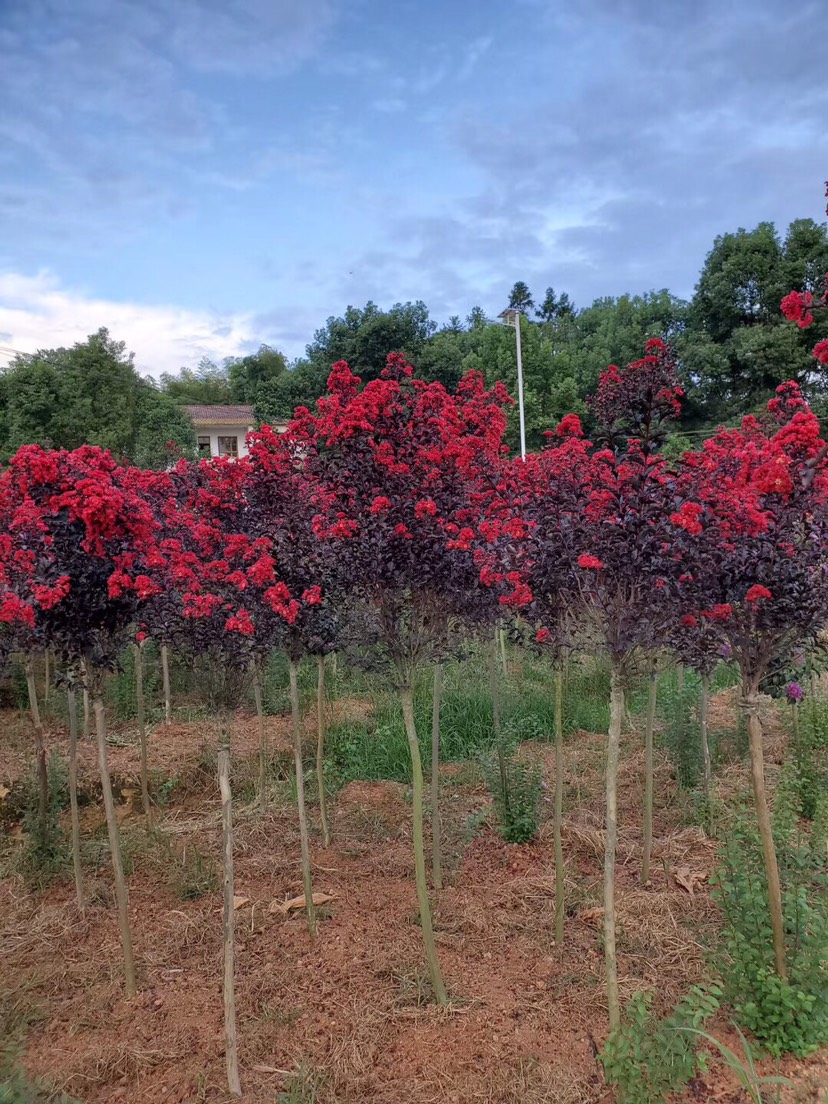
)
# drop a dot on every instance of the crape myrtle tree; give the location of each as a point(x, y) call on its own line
point(600, 520)
point(752, 530)
point(523, 526)
point(212, 575)
point(75, 558)
point(281, 501)
point(398, 467)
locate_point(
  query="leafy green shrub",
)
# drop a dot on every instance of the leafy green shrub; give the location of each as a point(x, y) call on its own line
point(809, 762)
point(16, 1088)
point(646, 1057)
point(785, 1016)
point(193, 875)
point(516, 787)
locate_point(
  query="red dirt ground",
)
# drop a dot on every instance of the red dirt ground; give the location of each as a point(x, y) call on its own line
point(351, 1009)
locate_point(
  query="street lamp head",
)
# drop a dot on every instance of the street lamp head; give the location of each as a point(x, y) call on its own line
point(510, 316)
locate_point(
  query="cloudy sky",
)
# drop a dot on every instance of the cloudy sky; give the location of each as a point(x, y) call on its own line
point(204, 175)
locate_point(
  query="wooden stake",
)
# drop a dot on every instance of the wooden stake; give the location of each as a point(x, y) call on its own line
point(138, 655)
point(436, 857)
point(304, 841)
point(114, 840)
point(558, 814)
point(757, 776)
point(257, 697)
point(72, 709)
point(40, 756)
point(320, 749)
point(231, 1047)
point(165, 679)
point(611, 842)
point(437, 983)
point(648, 776)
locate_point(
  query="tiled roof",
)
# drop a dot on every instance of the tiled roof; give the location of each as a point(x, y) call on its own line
point(221, 415)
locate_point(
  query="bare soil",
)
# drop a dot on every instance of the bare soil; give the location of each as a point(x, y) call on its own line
point(348, 1016)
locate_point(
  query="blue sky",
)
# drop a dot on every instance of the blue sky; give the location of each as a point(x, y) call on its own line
point(204, 175)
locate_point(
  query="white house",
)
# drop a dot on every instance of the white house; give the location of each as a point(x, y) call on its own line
point(222, 430)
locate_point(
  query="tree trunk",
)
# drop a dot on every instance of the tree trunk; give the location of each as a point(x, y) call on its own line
point(138, 653)
point(47, 680)
point(648, 777)
point(300, 797)
point(257, 697)
point(704, 725)
point(558, 815)
point(495, 692)
point(320, 750)
point(231, 1050)
point(72, 709)
point(87, 715)
point(613, 745)
point(437, 983)
point(114, 840)
point(504, 661)
point(40, 756)
point(436, 857)
point(165, 680)
point(757, 775)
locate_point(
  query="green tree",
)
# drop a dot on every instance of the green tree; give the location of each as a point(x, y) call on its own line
point(207, 384)
point(363, 337)
point(520, 298)
point(247, 374)
point(554, 306)
point(737, 347)
point(163, 431)
point(91, 394)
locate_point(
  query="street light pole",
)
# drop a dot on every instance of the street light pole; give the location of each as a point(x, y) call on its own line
point(512, 317)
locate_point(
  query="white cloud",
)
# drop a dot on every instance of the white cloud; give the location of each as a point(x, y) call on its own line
point(37, 312)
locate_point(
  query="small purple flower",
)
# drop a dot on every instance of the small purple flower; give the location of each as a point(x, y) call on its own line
point(725, 651)
point(795, 692)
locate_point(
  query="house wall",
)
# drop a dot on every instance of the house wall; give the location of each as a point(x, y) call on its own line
point(214, 432)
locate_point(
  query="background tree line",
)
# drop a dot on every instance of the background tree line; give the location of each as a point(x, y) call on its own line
point(731, 341)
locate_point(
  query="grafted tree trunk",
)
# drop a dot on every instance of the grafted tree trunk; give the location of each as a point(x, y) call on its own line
point(437, 983)
point(307, 881)
point(231, 1047)
point(165, 682)
point(138, 653)
point(40, 756)
point(320, 750)
point(648, 775)
point(257, 697)
point(558, 814)
point(114, 838)
point(757, 776)
point(72, 709)
point(611, 841)
point(704, 726)
point(436, 856)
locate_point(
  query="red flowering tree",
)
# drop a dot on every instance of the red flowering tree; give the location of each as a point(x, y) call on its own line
point(281, 500)
point(399, 492)
point(752, 531)
point(598, 543)
point(78, 541)
point(212, 577)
